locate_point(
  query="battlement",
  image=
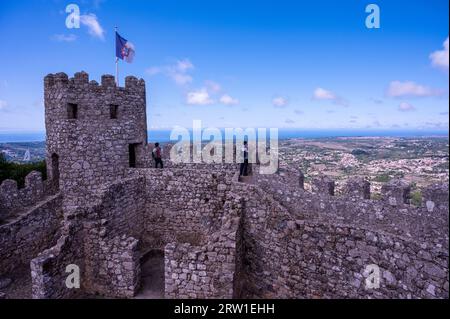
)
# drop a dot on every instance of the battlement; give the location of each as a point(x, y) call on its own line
point(394, 193)
point(13, 199)
point(81, 79)
point(392, 213)
point(94, 131)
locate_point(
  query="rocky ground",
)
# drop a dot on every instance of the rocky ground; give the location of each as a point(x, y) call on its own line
point(16, 285)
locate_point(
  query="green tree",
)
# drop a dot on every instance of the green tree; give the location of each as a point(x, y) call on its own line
point(18, 172)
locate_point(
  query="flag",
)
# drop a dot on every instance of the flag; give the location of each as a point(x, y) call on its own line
point(124, 49)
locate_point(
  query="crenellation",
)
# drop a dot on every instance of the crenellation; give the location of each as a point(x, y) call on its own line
point(301, 180)
point(60, 79)
point(13, 200)
point(323, 185)
point(435, 197)
point(134, 84)
point(108, 81)
point(9, 194)
point(396, 192)
point(81, 78)
point(357, 187)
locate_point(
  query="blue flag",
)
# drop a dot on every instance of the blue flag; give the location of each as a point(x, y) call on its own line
point(124, 49)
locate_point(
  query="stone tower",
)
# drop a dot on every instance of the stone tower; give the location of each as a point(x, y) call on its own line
point(95, 133)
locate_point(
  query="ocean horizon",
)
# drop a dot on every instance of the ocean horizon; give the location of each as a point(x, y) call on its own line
point(163, 135)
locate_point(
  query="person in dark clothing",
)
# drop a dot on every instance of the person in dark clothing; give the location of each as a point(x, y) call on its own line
point(156, 154)
point(244, 165)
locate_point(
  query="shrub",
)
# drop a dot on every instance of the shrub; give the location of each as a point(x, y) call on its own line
point(383, 178)
point(416, 198)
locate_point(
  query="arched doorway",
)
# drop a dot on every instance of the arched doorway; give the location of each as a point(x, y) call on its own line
point(152, 275)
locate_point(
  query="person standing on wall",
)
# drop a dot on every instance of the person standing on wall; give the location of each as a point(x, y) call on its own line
point(156, 154)
point(244, 165)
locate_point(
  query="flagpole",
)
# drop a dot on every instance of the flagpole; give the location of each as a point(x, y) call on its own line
point(117, 62)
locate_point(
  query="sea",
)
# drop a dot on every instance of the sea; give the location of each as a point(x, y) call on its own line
point(163, 135)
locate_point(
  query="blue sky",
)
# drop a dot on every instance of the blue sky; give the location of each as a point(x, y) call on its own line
point(240, 63)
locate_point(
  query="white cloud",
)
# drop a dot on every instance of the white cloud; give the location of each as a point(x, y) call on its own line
point(279, 101)
point(184, 65)
point(94, 28)
point(199, 97)
point(376, 123)
point(153, 70)
point(406, 107)
point(3, 104)
point(322, 94)
point(213, 86)
point(440, 58)
point(178, 72)
point(410, 88)
point(228, 100)
point(64, 37)
point(181, 78)
point(289, 121)
point(434, 125)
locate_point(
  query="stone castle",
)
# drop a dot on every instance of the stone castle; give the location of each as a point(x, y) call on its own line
point(104, 208)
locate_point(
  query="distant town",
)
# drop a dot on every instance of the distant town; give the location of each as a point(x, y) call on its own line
point(420, 161)
point(23, 152)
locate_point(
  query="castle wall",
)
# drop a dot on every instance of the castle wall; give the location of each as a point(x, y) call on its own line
point(113, 228)
point(319, 247)
point(97, 238)
point(127, 208)
point(330, 260)
point(225, 239)
point(114, 270)
point(24, 238)
point(263, 222)
point(386, 215)
point(13, 199)
point(49, 269)
point(183, 205)
point(91, 148)
point(211, 270)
